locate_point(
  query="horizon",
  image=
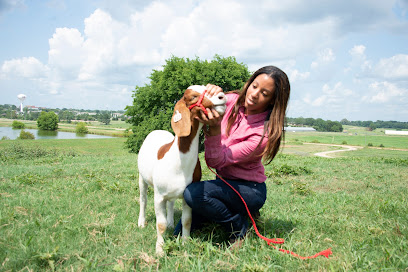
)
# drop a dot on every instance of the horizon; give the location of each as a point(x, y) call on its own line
point(76, 109)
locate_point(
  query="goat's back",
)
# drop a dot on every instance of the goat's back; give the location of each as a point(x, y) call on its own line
point(147, 157)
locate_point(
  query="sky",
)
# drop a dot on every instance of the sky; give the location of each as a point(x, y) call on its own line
point(344, 59)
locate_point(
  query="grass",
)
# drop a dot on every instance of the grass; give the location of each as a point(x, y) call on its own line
point(351, 136)
point(72, 205)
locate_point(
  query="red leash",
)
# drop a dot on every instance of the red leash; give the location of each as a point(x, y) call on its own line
point(324, 253)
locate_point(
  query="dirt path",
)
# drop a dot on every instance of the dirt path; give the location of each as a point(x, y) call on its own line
point(325, 154)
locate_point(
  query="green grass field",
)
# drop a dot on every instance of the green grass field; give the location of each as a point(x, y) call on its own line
point(72, 205)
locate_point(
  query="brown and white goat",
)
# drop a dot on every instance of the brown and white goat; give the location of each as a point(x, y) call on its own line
point(169, 163)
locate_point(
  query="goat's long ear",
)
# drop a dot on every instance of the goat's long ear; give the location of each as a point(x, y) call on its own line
point(180, 121)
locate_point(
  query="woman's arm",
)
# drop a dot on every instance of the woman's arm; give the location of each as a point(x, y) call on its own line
point(219, 156)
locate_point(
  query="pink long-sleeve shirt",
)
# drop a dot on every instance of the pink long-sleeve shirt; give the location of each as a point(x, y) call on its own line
point(234, 156)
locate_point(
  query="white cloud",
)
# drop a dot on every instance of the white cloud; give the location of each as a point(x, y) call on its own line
point(296, 75)
point(66, 51)
point(382, 92)
point(331, 97)
point(121, 44)
point(395, 67)
point(28, 67)
point(324, 57)
point(358, 51)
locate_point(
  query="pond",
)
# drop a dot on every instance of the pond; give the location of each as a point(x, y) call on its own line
point(12, 134)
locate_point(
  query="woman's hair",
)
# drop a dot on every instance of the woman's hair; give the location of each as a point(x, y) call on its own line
point(275, 121)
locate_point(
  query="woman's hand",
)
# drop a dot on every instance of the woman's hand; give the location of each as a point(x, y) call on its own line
point(212, 122)
point(213, 119)
point(213, 89)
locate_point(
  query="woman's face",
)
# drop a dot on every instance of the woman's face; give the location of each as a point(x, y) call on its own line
point(259, 94)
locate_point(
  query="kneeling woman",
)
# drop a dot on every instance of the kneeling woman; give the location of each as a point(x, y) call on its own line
point(251, 129)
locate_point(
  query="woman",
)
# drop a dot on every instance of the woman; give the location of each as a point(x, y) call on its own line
point(251, 129)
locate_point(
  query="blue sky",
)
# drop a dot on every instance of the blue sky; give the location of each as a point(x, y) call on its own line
point(344, 59)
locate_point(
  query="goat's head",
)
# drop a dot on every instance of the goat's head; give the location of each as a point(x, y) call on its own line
point(183, 116)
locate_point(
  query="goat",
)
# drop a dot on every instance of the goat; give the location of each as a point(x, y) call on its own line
point(169, 163)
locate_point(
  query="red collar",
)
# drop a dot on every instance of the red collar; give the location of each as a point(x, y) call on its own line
point(198, 104)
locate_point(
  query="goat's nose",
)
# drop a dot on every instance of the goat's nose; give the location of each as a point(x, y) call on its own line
point(221, 96)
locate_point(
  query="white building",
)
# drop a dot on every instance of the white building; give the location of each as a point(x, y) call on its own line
point(396, 132)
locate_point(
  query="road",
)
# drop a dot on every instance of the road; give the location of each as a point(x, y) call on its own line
point(326, 154)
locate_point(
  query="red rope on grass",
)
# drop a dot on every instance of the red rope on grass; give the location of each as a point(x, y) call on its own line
point(324, 253)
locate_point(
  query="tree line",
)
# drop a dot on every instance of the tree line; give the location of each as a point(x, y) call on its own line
point(335, 126)
point(64, 115)
point(376, 124)
point(318, 124)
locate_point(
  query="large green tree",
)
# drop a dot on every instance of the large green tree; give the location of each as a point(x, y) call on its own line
point(153, 103)
point(47, 121)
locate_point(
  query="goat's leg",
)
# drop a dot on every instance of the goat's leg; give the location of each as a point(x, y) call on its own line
point(186, 219)
point(143, 200)
point(170, 214)
point(161, 222)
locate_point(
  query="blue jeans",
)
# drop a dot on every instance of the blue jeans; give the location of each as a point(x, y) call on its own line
point(214, 201)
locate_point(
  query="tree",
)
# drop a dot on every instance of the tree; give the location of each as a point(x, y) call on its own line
point(81, 128)
point(334, 126)
point(372, 127)
point(47, 121)
point(153, 103)
point(66, 115)
point(105, 118)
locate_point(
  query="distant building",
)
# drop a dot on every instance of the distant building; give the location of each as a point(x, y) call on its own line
point(303, 129)
point(32, 108)
point(116, 114)
point(396, 132)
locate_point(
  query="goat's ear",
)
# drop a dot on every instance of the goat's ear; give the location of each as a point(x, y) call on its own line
point(180, 121)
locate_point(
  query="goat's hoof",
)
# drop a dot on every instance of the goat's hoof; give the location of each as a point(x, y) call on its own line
point(159, 251)
point(141, 224)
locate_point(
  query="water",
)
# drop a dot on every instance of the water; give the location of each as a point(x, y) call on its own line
point(45, 134)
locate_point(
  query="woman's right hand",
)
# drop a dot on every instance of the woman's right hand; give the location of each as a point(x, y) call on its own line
point(213, 118)
point(213, 89)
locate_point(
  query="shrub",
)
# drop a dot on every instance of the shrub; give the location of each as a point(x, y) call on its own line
point(370, 144)
point(47, 121)
point(153, 104)
point(381, 145)
point(344, 142)
point(301, 188)
point(5, 138)
point(25, 135)
point(81, 128)
point(288, 170)
point(17, 125)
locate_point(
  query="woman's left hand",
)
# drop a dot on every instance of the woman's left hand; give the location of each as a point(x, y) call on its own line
point(212, 120)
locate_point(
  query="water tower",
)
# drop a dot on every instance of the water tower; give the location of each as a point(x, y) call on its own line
point(21, 97)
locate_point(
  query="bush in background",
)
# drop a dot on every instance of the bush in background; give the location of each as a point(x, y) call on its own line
point(153, 103)
point(81, 128)
point(17, 125)
point(25, 135)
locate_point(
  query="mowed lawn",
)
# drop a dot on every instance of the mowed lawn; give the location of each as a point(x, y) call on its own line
point(72, 205)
